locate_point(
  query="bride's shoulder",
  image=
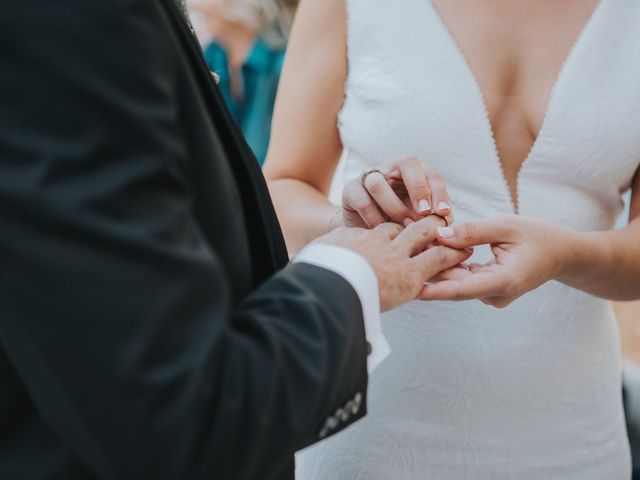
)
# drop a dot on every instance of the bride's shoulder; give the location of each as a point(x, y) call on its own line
point(322, 11)
point(320, 27)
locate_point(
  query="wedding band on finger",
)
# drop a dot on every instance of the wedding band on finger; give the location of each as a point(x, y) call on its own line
point(368, 172)
point(433, 212)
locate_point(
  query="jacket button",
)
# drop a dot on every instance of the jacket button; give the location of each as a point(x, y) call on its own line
point(344, 414)
point(357, 403)
point(350, 407)
point(332, 423)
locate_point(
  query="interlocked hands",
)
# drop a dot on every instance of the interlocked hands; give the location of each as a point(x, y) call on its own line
point(527, 252)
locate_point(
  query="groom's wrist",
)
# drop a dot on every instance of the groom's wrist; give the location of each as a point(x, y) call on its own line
point(355, 269)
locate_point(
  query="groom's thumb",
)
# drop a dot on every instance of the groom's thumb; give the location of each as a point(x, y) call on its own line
point(475, 233)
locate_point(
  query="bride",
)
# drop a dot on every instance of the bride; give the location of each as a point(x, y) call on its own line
point(529, 110)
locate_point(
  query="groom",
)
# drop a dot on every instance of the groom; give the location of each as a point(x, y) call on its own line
point(149, 328)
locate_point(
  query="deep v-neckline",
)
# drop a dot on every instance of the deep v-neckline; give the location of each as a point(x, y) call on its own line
point(515, 203)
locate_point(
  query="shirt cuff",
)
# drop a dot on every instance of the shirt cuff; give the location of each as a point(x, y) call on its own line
point(357, 271)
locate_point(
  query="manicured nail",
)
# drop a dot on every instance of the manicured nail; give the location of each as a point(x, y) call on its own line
point(423, 206)
point(446, 232)
point(407, 221)
point(443, 206)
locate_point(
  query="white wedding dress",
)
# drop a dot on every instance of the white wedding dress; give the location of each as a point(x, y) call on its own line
point(469, 391)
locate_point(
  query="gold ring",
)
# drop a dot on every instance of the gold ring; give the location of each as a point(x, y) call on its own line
point(368, 172)
point(433, 212)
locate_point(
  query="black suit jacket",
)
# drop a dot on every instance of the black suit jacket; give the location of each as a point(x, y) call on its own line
point(149, 328)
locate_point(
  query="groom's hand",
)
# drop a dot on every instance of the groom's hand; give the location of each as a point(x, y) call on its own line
point(402, 259)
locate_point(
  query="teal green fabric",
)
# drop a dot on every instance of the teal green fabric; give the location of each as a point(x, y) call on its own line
point(260, 75)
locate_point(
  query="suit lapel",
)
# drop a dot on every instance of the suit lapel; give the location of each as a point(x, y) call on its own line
point(268, 250)
point(182, 6)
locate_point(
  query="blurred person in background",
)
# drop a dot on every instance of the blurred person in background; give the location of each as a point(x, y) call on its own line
point(528, 110)
point(244, 44)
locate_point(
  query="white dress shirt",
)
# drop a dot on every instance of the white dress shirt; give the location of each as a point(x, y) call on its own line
point(357, 271)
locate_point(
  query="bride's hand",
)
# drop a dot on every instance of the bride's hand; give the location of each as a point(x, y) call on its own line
point(527, 254)
point(403, 190)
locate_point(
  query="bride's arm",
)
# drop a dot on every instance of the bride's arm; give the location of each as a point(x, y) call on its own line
point(305, 144)
point(529, 252)
point(607, 264)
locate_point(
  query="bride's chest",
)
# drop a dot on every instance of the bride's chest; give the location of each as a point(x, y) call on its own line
point(412, 89)
point(515, 51)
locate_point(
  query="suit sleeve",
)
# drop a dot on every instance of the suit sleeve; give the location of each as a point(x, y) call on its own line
point(116, 314)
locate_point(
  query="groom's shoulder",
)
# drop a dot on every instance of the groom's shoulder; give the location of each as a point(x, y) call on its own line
point(84, 19)
point(88, 37)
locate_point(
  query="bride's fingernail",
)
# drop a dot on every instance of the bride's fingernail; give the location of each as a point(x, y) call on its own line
point(443, 206)
point(407, 221)
point(423, 206)
point(446, 232)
